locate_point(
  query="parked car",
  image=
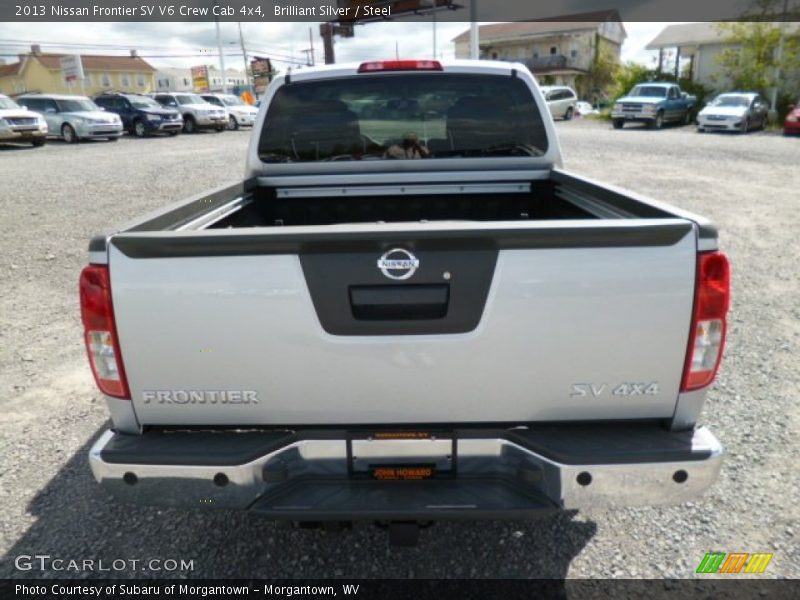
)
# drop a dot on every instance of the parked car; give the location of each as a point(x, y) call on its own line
point(18, 124)
point(560, 100)
point(583, 109)
point(240, 114)
point(439, 346)
point(196, 112)
point(74, 118)
point(140, 114)
point(655, 104)
point(792, 122)
point(735, 111)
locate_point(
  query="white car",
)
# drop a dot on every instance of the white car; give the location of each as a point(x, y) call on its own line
point(17, 124)
point(584, 108)
point(196, 112)
point(240, 114)
point(733, 112)
point(560, 100)
point(74, 118)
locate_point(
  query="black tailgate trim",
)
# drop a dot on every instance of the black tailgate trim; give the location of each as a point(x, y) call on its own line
point(276, 241)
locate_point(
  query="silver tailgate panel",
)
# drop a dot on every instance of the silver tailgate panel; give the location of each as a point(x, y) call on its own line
point(554, 318)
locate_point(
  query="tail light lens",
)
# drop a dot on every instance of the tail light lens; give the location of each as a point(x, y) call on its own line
point(100, 332)
point(707, 338)
point(400, 65)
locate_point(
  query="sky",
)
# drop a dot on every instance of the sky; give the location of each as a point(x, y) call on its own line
point(190, 43)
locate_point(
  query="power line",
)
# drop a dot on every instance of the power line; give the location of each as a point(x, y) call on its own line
point(27, 43)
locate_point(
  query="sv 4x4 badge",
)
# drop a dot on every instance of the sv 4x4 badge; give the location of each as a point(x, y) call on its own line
point(626, 388)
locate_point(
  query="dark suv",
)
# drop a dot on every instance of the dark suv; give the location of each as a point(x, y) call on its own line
point(141, 115)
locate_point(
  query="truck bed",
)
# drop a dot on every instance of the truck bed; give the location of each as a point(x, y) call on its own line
point(272, 291)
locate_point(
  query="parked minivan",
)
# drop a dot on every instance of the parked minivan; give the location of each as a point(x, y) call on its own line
point(74, 118)
point(560, 100)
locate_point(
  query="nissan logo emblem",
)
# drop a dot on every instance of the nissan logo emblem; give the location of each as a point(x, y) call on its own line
point(398, 263)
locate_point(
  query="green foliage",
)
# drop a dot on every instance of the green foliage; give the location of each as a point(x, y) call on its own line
point(594, 85)
point(752, 61)
point(628, 76)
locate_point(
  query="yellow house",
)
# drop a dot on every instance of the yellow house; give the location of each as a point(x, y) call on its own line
point(41, 72)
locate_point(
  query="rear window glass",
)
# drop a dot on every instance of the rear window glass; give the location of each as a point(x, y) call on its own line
point(414, 116)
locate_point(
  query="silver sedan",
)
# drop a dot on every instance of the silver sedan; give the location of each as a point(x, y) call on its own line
point(733, 112)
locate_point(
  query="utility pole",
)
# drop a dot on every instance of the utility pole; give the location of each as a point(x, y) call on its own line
point(221, 55)
point(311, 46)
point(434, 35)
point(244, 55)
point(326, 31)
point(473, 30)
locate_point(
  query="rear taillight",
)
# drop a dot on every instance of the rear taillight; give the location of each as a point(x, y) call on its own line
point(399, 65)
point(100, 332)
point(707, 337)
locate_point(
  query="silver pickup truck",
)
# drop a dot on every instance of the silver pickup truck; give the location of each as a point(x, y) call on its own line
point(407, 311)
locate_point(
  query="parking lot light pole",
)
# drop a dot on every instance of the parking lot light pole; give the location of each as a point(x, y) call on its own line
point(221, 55)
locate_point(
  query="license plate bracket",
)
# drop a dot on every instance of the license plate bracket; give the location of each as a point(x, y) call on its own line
point(402, 455)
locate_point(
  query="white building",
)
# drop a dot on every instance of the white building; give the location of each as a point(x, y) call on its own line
point(556, 51)
point(180, 80)
point(696, 48)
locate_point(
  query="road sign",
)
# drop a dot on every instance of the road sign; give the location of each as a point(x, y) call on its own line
point(200, 79)
point(72, 67)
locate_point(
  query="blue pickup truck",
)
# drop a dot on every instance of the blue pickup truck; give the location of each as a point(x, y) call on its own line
point(655, 104)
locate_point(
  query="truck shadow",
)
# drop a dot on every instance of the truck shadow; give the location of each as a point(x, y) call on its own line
point(75, 519)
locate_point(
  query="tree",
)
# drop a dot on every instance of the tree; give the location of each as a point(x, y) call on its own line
point(751, 58)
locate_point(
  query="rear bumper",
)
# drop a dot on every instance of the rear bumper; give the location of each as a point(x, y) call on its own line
point(491, 473)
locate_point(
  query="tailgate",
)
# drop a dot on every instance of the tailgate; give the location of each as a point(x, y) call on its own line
point(496, 322)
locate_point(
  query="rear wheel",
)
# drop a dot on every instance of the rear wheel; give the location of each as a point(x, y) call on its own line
point(139, 130)
point(618, 123)
point(687, 118)
point(38, 143)
point(189, 126)
point(568, 114)
point(173, 133)
point(68, 133)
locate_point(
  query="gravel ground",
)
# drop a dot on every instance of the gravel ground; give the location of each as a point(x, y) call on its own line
point(56, 197)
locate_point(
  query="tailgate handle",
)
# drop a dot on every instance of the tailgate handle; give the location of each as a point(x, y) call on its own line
point(399, 302)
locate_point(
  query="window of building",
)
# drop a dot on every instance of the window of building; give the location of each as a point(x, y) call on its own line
point(105, 79)
point(125, 80)
point(573, 54)
point(140, 80)
point(553, 50)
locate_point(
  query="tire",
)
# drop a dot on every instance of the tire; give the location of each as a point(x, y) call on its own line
point(220, 129)
point(700, 130)
point(114, 139)
point(687, 118)
point(139, 130)
point(173, 133)
point(38, 143)
point(746, 126)
point(618, 123)
point(189, 126)
point(658, 122)
point(568, 114)
point(233, 124)
point(68, 133)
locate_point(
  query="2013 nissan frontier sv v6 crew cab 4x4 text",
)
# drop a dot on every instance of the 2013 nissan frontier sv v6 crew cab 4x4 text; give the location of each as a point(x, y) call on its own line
point(407, 311)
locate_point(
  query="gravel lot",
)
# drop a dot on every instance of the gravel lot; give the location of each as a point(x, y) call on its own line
point(53, 199)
